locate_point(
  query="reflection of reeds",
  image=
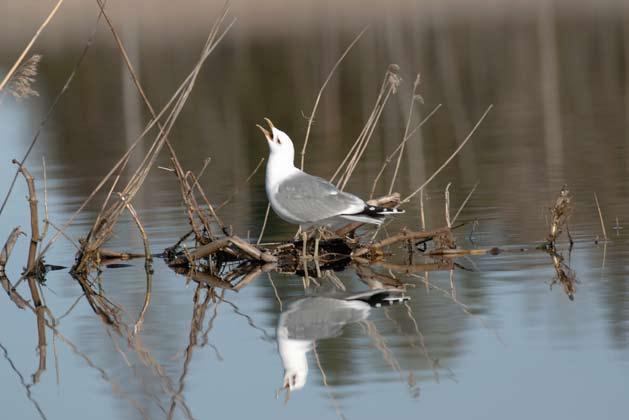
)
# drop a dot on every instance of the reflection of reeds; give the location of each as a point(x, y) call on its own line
point(26, 386)
point(564, 275)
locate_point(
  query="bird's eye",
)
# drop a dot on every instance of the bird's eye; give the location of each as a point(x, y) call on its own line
point(294, 378)
point(279, 141)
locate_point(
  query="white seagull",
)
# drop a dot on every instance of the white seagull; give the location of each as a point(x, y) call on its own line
point(307, 200)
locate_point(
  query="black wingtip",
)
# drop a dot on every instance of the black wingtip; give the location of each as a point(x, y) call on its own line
point(378, 211)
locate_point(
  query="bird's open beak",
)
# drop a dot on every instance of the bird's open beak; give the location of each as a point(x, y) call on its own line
point(266, 132)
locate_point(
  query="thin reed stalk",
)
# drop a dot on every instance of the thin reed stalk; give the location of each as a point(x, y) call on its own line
point(400, 146)
point(325, 83)
point(469, 195)
point(103, 226)
point(600, 216)
point(447, 205)
point(346, 168)
point(32, 202)
point(51, 108)
point(8, 247)
point(456, 152)
point(414, 98)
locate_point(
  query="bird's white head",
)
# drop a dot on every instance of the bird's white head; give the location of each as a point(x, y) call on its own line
point(294, 379)
point(280, 145)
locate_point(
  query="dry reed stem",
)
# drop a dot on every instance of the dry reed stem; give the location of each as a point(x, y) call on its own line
point(17, 63)
point(422, 216)
point(209, 206)
point(414, 98)
point(46, 218)
point(8, 247)
point(13, 294)
point(467, 198)
point(389, 85)
point(181, 94)
point(325, 83)
point(192, 207)
point(32, 202)
point(145, 239)
point(400, 146)
point(458, 149)
point(447, 205)
point(135, 79)
point(103, 226)
point(266, 219)
point(600, 216)
point(560, 212)
point(403, 236)
point(220, 244)
point(50, 109)
point(237, 189)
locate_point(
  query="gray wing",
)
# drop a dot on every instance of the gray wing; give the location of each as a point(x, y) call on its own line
point(311, 198)
point(315, 318)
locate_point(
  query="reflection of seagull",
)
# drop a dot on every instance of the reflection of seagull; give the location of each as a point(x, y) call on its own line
point(313, 318)
point(303, 199)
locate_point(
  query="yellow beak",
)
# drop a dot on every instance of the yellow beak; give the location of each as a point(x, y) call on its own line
point(266, 132)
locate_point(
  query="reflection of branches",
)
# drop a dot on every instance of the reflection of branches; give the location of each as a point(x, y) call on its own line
point(147, 300)
point(563, 275)
point(103, 307)
point(376, 280)
point(26, 386)
point(324, 378)
point(115, 387)
point(196, 325)
point(380, 343)
point(250, 321)
point(453, 298)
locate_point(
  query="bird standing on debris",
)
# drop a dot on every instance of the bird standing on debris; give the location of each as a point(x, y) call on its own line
point(307, 200)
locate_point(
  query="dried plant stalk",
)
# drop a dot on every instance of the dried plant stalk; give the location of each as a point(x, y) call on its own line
point(32, 202)
point(8, 247)
point(346, 168)
point(325, 83)
point(559, 214)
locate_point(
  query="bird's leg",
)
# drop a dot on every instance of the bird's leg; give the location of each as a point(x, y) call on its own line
point(304, 259)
